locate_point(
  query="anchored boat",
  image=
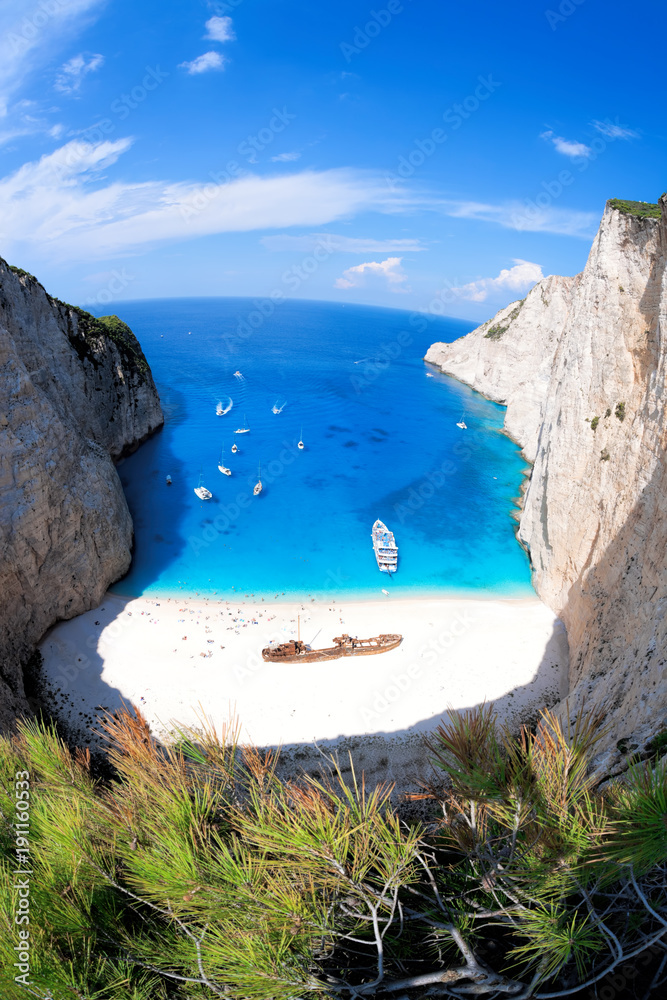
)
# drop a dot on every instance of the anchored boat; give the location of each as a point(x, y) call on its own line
point(344, 645)
point(243, 430)
point(201, 490)
point(221, 464)
point(385, 547)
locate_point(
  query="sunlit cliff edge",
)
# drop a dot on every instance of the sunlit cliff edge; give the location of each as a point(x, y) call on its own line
point(75, 394)
point(580, 364)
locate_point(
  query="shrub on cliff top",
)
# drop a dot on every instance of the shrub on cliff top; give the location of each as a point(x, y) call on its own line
point(642, 209)
point(197, 873)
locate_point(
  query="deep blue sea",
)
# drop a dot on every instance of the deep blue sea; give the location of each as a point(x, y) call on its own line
point(380, 441)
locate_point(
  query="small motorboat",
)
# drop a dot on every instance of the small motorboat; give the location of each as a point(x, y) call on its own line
point(235, 448)
point(168, 480)
point(219, 410)
point(301, 445)
point(238, 375)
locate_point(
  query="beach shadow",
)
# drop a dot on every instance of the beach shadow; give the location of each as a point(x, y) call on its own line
point(402, 757)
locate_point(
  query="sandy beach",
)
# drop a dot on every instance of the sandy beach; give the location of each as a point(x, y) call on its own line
point(177, 659)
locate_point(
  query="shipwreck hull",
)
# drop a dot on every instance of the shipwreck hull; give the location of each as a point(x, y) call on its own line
point(355, 647)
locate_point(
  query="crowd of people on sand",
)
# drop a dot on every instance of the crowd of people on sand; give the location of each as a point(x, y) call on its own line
point(238, 619)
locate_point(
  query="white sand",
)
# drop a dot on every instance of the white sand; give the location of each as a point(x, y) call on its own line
point(455, 654)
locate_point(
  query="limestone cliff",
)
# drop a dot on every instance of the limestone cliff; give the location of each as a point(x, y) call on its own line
point(75, 393)
point(581, 366)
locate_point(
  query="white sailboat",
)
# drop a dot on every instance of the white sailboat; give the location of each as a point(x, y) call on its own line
point(221, 464)
point(301, 445)
point(461, 423)
point(244, 429)
point(201, 490)
point(235, 448)
point(278, 407)
point(258, 485)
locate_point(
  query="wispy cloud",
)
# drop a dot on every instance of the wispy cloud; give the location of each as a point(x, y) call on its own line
point(527, 217)
point(614, 131)
point(342, 244)
point(61, 206)
point(568, 147)
point(71, 75)
point(519, 278)
point(219, 29)
point(286, 157)
point(29, 35)
point(204, 63)
point(389, 270)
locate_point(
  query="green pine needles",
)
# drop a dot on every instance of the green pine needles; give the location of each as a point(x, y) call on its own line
point(196, 872)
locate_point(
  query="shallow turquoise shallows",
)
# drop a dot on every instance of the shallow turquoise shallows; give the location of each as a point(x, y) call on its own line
point(380, 439)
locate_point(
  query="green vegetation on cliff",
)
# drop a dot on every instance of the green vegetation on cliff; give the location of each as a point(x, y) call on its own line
point(642, 209)
point(87, 337)
point(194, 871)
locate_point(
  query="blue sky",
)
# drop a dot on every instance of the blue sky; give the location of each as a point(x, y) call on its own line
point(407, 153)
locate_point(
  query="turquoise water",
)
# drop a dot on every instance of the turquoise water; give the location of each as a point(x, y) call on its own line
point(380, 441)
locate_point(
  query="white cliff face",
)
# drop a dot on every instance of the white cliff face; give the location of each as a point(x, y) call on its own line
point(584, 381)
point(73, 396)
point(510, 357)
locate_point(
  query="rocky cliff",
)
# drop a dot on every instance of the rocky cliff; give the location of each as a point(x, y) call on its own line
point(580, 364)
point(75, 394)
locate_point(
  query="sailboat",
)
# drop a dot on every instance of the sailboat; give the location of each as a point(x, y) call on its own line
point(235, 448)
point(278, 407)
point(201, 490)
point(301, 445)
point(258, 485)
point(244, 429)
point(221, 464)
point(461, 423)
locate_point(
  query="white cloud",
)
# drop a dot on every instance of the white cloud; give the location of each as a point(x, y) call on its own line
point(60, 206)
point(70, 77)
point(614, 131)
point(219, 29)
point(568, 147)
point(389, 269)
point(527, 217)
point(521, 277)
point(204, 63)
point(30, 34)
point(343, 244)
point(286, 157)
